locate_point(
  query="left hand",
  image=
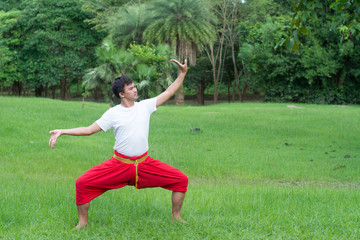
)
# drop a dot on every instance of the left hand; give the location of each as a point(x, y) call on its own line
point(55, 134)
point(182, 67)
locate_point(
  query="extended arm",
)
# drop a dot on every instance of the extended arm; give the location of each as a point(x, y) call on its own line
point(81, 131)
point(170, 91)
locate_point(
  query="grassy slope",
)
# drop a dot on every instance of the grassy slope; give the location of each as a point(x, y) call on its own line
point(245, 182)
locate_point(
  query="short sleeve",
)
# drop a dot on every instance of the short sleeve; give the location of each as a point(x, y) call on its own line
point(106, 120)
point(149, 104)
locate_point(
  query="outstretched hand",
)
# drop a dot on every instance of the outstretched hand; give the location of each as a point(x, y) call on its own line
point(55, 134)
point(182, 67)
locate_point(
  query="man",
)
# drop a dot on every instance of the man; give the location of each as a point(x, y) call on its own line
point(130, 165)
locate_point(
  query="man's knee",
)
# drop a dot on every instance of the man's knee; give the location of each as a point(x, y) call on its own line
point(183, 183)
point(185, 180)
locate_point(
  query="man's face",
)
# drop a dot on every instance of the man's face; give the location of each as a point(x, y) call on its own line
point(130, 92)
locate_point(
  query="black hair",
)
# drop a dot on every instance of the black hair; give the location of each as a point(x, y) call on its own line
point(119, 84)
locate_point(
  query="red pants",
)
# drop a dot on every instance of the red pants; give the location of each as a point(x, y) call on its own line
point(113, 174)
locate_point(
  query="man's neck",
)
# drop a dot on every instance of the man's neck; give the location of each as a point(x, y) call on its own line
point(127, 104)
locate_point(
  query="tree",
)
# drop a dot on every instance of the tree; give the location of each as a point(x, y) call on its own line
point(227, 13)
point(260, 21)
point(112, 63)
point(151, 68)
point(10, 42)
point(9, 5)
point(232, 37)
point(186, 25)
point(263, 67)
point(201, 78)
point(128, 24)
point(322, 71)
point(346, 19)
point(58, 44)
point(147, 65)
point(100, 12)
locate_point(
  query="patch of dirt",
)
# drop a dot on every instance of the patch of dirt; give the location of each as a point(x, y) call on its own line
point(293, 106)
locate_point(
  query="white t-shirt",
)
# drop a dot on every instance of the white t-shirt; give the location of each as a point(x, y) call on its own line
point(130, 125)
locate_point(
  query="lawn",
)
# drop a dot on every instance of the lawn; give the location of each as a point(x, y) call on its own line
point(256, 171)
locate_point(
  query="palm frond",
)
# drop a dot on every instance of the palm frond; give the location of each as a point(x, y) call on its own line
point(128, 24)
point(185, 24)
point(143, 84)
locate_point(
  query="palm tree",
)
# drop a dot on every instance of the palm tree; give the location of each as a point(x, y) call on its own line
point(113, 63)
point(128, 25)
point(186, 25)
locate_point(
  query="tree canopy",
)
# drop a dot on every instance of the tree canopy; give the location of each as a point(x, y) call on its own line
point(279, 50)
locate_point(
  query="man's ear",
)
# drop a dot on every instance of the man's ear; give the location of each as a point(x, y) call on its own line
point(121, 95)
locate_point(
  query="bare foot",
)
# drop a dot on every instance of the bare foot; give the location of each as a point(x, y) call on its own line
point(81, 227)
point(177, 219)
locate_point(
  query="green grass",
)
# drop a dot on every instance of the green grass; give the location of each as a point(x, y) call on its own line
point(256, 171)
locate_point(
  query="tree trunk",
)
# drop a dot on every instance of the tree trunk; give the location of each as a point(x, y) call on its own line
point(180, 95)
point(338, 78)
point(17, 88)
point(233, 91)
point(201, 92)
point(245, 85)
point(244, 91)
point(232, 39)
point(229, 86)
point(38, 91)
point(25, 92)
point(214, 59)
point(218, 58)
point(96, 97)
point(53, 92)
point(236, 72)
point(215, 93)
point(46, 90)
point(78, 87)
point(63, 89)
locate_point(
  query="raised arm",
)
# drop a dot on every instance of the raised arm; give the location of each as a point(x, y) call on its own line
point(81, 131)
point(170, 91)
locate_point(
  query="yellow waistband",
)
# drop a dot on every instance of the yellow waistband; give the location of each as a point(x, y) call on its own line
point(129, 161)
point(135, 162)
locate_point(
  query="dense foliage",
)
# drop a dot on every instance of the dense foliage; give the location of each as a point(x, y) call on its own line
point(56, 48)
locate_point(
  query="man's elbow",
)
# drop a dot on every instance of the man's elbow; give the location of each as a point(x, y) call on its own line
point(93, 128)
point(89, 132)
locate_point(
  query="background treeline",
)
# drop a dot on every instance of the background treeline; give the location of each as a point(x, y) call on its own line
point(74, 48)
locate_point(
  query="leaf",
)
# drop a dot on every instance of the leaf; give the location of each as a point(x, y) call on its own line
point(279, 43)
point(296, 46)
point(290, 43)
point(295, 34)
point(304, 30)
point(332, 5)
point(143, 84)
